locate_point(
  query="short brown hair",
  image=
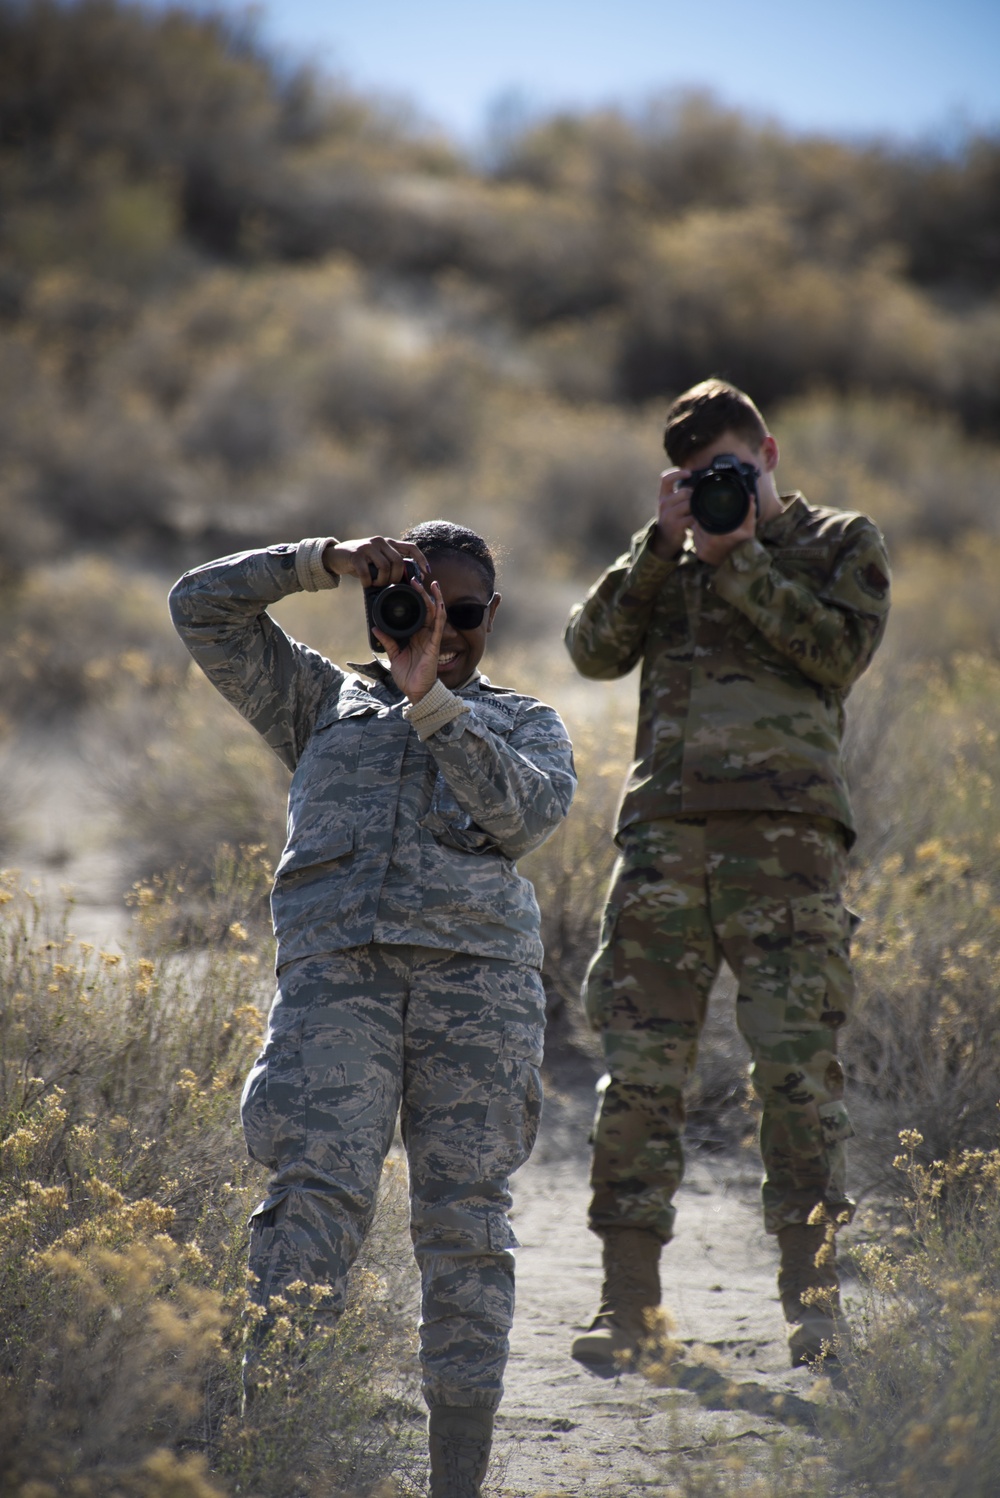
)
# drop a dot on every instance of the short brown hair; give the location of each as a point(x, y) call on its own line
point(703, 413)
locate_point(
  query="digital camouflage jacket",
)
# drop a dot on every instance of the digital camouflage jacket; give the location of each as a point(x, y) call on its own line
point(390, 838)
point(745, 666)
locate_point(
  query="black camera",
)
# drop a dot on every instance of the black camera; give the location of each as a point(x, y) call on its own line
point(722, 493)
point(397, 609)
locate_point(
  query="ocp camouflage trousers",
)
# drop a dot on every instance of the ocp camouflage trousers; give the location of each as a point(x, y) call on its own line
point(451, 1042)
point(763, 891)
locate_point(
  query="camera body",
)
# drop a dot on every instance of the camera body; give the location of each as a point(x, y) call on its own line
point(722, 493)
point(397, 609)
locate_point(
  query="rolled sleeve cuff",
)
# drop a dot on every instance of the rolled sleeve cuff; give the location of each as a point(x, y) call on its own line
point(647, 570)
point(438, 707)
point(743, 566)
point(309, 568)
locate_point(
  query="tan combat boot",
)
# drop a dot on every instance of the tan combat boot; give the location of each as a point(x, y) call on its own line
point(459, 1439)
point(810, 1293)
point(631, 1289)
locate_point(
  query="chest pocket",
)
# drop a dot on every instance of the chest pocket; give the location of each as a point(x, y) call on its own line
point(322, 795)
point(808, 565)
point(335, 745)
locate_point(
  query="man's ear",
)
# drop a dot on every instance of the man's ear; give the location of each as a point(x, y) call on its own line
point(769, 454)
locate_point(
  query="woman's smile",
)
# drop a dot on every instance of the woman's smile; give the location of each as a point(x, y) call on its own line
point(462, 582)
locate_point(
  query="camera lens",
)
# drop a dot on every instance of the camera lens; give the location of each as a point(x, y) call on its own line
point(719, 503)
point(398, 611)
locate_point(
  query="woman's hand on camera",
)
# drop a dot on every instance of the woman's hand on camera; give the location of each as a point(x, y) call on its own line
point(414, 662)
point(373, 560)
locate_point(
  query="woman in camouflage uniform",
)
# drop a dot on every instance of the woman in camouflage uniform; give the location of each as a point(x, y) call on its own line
point(408, 948)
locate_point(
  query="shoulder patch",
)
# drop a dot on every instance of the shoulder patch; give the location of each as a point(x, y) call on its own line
point(873, 580)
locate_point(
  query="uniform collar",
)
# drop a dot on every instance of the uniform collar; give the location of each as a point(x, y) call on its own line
point(780, 527)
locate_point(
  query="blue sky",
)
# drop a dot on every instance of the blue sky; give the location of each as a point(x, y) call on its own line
point(906, 68)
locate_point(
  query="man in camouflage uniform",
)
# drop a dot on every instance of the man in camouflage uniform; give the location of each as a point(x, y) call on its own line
point(734, 828)
point(408, 947)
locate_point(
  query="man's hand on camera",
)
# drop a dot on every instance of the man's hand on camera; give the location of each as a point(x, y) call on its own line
point(673, 516)
point(714, 549)
point(358, 558)
point(414, 662)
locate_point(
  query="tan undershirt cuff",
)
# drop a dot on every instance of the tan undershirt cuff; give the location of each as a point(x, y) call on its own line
point(309, 567)
point(436, 708)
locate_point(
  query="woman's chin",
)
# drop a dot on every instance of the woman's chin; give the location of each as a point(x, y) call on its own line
point(452, 673)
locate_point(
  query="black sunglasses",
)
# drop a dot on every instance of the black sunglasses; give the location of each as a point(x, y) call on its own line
point(467, 615)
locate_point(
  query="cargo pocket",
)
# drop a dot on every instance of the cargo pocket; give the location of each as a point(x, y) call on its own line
point(265, 1224)
point(835, 1123)
point(822, 981)
point(272, 1106)
point(597, 992)
point(515, 1102)
point(255, 1118)
point(836, 1126)
point(462, 885)
point(598, 987)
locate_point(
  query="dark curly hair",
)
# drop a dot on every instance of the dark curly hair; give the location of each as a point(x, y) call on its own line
point(440, 538)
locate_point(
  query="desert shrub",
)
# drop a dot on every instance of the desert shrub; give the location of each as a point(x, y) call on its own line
point(241, 421)
point(576, 357)
point(913, 1413)
point(191, 104)
point(106, 477)
point(423, 408)
point(560, 487)
point(244, 406)
point(922, 1049)
point(943, 634)
point(136, 1048)
point(598, 485)
point(122, 1196)
point(942, 205)
point(686, 149)
point(570, 872)
point(80, 632)
point(733, 291)
point(923, 1043)
point(923, 1416)
point(910, 466)
point(185, 777)
point(547, 256)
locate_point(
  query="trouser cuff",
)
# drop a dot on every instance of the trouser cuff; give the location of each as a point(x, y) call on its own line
point(468, 1401)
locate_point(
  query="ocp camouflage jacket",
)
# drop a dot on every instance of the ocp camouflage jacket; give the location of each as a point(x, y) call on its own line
point(390, 839)
point(745, 666)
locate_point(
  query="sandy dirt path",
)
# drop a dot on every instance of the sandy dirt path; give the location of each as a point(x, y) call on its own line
point(565, 1430)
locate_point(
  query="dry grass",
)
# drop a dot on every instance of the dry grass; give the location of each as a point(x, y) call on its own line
point(125, 1187)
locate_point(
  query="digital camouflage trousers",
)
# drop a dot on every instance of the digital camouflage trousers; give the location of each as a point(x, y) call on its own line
point(452, 1044)
point(762, 891)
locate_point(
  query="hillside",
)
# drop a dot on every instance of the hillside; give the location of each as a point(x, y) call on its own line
point(242, 303)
